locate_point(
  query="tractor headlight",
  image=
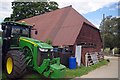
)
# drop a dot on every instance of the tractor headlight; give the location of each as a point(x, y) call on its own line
point(51, 50)
point(43, 50)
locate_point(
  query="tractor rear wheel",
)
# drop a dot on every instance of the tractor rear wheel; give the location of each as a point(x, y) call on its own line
point(15, 64)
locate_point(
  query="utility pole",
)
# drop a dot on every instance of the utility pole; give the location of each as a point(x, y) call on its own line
point(103, 32)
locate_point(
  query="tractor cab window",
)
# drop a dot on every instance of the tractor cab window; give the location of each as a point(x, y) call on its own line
point(22, 31)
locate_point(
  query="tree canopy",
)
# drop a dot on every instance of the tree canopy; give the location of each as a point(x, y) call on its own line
point(22, 10)
point(110, 32)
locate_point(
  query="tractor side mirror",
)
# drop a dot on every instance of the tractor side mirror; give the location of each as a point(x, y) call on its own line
point(36, 32)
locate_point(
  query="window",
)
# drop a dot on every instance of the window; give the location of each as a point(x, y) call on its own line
point(15, 30)
point(18, 30)
point(25, 32)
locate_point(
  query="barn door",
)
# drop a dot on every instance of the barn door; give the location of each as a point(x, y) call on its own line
point(78, 54)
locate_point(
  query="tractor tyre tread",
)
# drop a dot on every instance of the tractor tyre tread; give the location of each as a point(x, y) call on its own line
point(19, 64)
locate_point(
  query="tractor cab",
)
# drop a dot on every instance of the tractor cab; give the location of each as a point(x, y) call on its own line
point(12, 31)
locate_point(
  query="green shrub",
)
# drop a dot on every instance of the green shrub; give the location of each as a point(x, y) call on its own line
point(116, 50)
point(107, 50)
point(49, 41)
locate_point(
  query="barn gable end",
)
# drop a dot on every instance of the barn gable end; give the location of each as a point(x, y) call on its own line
point(90, 40)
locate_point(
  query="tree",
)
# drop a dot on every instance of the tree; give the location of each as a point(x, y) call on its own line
point(7, 19)
point(118, 31)
point(110, 32)
point(22, 10)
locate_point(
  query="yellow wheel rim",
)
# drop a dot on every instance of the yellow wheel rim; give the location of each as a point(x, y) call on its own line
point(9, 65)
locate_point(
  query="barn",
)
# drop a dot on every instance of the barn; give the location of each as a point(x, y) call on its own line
point(66, 27)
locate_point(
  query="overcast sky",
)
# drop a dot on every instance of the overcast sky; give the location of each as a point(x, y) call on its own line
point(90, 9)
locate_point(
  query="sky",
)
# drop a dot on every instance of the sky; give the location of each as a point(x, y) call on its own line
point(92, 10)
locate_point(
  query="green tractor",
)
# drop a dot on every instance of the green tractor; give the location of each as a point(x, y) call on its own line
point(20, 51)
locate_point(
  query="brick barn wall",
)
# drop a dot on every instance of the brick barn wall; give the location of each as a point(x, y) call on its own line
point(89, 35)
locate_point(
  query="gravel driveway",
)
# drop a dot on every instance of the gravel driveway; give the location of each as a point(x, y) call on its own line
point(107, 71)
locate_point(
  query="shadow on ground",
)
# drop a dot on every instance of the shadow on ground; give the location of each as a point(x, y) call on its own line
point(29, 75)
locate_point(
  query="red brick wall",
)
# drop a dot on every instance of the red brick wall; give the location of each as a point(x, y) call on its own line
point(89, 35)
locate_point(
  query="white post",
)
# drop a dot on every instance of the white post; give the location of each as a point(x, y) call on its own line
point(113, 51)
point(86, 59)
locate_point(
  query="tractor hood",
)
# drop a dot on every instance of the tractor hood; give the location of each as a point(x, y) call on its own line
point(36, 43)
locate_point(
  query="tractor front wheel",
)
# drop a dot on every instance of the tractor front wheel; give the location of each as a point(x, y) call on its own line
point(15, 64)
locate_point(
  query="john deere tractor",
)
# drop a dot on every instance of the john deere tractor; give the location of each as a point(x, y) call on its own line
point(20, 51)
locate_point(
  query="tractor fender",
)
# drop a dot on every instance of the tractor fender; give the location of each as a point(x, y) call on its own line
point(28, 52)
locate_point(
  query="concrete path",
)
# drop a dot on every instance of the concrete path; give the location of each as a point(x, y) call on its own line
point(107, 71)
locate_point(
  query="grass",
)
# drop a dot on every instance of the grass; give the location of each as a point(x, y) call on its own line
point(83, 70)
point(0, 75)
point(0, 41)
point(70, 73)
